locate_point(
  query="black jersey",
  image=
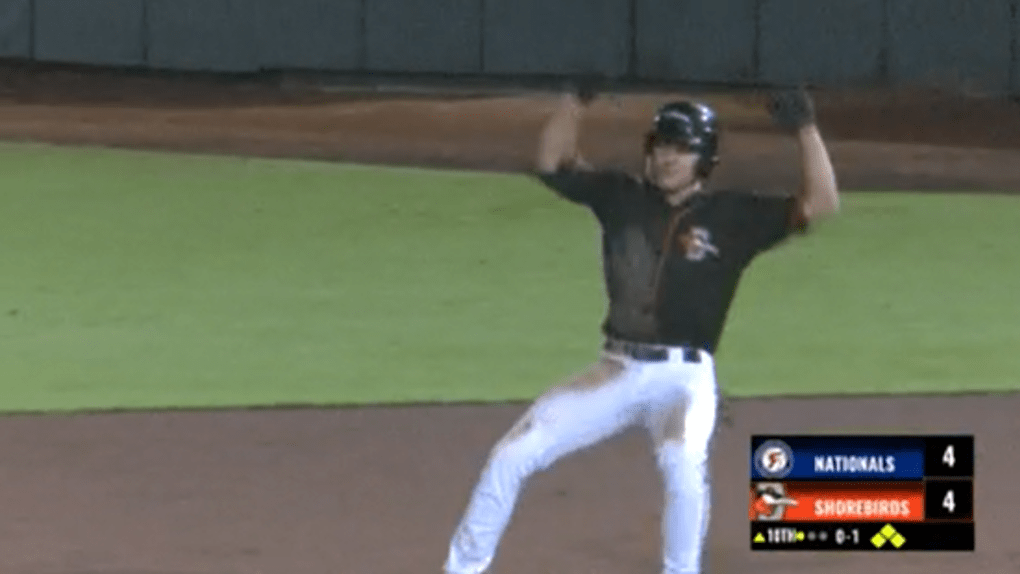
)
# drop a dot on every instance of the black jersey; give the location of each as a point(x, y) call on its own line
point(671, 271)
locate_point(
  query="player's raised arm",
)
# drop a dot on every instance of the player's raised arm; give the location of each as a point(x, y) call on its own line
point(819, 194)
point(557, 146)
point(559, 164)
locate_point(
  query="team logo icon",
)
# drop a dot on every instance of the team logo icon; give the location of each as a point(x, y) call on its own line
point(773, 459)
point(769, 501)
point(696, 244)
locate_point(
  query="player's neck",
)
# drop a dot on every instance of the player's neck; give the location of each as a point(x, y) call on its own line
point(677, 196)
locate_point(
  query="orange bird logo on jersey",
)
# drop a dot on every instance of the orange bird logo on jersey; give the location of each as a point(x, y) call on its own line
point(696, 244)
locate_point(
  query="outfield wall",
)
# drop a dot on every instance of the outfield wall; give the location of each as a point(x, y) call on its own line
point(956, 44)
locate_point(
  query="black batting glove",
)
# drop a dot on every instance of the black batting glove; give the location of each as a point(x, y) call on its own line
point(792, 109)
point(586, 89)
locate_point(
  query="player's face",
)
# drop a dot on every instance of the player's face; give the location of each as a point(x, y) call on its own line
point(673, 166)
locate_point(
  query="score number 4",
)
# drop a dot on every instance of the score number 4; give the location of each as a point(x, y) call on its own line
point(949, 459)
point(949, 501)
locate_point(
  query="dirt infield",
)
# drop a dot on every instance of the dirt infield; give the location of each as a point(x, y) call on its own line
point(378, 490)
point(878, 141)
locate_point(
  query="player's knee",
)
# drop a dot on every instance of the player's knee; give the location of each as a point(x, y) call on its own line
point(524, 451)
point(680, 464)
point(682, 450)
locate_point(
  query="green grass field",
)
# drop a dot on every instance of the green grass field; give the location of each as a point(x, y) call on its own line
point(135, 280)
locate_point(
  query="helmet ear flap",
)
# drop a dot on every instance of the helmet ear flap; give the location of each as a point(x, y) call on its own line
point(709, 154)
point(706, 164)
point(649, 142)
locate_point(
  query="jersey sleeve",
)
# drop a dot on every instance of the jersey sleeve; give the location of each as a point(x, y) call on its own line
point(768, 219)
point(591, 188)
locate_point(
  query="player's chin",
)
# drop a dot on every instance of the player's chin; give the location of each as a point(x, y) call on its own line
point(674, 182)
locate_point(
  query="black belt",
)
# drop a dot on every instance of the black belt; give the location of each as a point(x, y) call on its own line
point(650, 352)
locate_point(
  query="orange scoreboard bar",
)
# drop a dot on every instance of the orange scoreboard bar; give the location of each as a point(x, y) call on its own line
point(863, 492)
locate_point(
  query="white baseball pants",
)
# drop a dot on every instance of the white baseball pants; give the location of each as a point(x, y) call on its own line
point(676, 400)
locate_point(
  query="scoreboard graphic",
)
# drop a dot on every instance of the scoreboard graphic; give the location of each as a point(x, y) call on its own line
point(869, 492)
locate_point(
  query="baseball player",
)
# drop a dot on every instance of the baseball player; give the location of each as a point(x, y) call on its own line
point(673, 252)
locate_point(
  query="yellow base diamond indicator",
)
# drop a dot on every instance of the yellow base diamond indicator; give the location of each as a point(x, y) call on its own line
point(865, 536)
point(888, 534)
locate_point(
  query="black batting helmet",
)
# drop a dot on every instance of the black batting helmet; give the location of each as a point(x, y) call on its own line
point(692, 124)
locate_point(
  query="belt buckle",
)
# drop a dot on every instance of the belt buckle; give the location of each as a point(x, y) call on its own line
point(647, 352)
point(655, 353)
